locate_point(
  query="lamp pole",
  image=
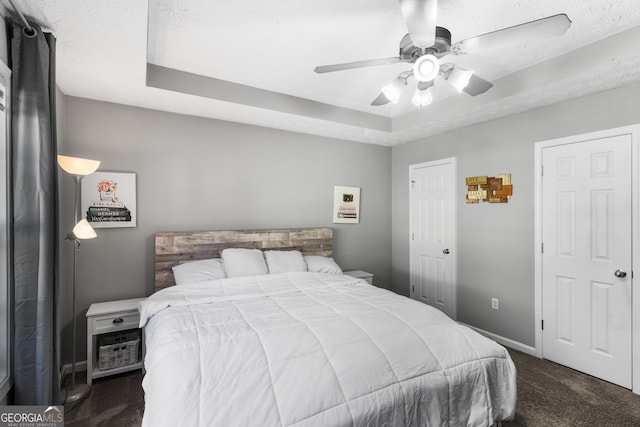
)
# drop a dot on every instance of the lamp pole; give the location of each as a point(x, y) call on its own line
point(76, 249)
point(81, 391)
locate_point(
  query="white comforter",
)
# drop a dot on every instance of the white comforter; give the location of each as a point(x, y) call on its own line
point(312, 349)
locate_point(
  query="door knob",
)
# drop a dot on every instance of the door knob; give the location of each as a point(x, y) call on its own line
point(446, 251)
point(620, 273)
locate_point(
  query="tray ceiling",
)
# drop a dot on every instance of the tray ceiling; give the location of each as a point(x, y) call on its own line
point(252, 61)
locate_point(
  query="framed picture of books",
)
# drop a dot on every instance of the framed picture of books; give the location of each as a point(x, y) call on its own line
point(346, 205)
point(108, 199)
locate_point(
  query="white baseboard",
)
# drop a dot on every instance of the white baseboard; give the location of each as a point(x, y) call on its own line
point(80, 366)
point(505, 341)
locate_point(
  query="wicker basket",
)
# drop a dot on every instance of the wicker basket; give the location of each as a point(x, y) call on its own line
point(118, 350)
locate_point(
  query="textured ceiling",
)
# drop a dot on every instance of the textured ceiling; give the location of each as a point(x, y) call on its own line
point(252, 61)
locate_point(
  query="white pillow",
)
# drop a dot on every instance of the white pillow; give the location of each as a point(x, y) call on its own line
point(322, 264)
point(199, 271)
point(285, 261)
point(244, 262)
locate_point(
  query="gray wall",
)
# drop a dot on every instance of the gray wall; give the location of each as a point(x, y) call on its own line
point(495, 241)
point(196, 174)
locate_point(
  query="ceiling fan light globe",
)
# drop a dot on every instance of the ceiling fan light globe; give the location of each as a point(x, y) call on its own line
point(422, 98)
point(394, 89)
point(426, 68)
point(459, 78)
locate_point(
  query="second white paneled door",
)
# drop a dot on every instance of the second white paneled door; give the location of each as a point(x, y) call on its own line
point(587, 256)
point(432, 240)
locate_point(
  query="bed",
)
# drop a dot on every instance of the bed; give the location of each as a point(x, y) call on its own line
point(307, 348)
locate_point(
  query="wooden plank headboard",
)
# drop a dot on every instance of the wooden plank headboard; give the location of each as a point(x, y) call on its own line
point(172, 248)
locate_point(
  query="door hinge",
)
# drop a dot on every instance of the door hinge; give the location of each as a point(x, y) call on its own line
point(541, 248)
point(541, 170)
point(413, 184)
point(413, 237)
point(542, 324)
point(413, 288)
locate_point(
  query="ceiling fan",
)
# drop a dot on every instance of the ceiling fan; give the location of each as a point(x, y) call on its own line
point(426, 44)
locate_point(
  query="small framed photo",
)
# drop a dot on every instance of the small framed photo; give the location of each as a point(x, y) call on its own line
point(108, 199)
point(346, 205)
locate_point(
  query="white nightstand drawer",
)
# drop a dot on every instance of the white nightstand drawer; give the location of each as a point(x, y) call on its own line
point(115, 322)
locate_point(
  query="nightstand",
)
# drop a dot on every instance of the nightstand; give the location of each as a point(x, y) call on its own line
point(360, 274)
point(113, 332)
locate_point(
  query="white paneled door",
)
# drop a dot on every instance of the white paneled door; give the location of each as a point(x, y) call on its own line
point(587, 257)
point(432, 240)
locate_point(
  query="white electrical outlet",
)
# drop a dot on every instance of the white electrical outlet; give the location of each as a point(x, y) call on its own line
point(495, 304)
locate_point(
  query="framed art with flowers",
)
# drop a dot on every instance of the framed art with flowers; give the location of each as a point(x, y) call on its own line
point(109, 199)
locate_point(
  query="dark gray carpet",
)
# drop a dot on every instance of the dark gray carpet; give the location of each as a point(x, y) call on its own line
point(553, 395)
point(116, 401)
point(548, 395)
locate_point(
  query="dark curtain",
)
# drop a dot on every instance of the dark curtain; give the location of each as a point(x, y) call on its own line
point(34, 203)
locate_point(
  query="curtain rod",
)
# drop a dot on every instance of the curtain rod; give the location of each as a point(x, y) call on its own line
point(22, 18)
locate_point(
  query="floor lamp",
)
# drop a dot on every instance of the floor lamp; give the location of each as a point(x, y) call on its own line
point(78, 168)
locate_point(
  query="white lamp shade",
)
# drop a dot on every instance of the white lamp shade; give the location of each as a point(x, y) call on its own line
point(84, 230)
point(422, 98)
point(459, 78)
point(394, 89)
point(426, 68)
point(77, 165)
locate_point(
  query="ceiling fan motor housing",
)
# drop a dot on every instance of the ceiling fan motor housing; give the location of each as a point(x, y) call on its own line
point(409, 52)
point(443, 41)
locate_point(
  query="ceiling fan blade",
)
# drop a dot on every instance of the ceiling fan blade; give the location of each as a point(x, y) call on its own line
point(380, 100)
point(550, 26)
point(420, 17)
point(357, 64)
point(477, 85)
